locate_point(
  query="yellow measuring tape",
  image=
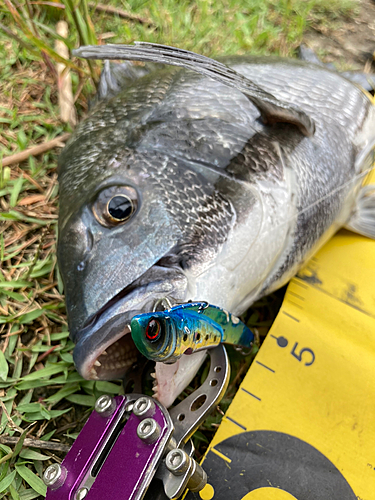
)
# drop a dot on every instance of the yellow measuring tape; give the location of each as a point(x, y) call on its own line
point(302, 425)
point(303, 422)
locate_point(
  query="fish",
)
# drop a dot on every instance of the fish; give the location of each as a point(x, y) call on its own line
point(165, 336)
point(201, 180)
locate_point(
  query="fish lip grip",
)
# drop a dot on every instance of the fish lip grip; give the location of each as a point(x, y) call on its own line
point(128, 439)
point(116, 454)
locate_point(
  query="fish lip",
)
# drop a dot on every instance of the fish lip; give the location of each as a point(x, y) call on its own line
point(110, 310)
point(123, 296)
point(108, 307)
point(102, 330)
point(91, 346)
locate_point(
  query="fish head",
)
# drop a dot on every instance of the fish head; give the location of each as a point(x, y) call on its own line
point(155, 335)
point(114, 232)
point(135, 226)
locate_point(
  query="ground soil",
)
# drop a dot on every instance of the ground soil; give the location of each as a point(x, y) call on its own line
point(352, 44)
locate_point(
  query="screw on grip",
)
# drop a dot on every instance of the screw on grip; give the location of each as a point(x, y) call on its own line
point(188, 473)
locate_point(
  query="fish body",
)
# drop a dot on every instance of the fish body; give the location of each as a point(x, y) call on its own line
point(165, 336)
point(214, 200)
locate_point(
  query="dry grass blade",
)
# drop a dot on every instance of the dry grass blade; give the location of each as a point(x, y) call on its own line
point(85, 30)
point(36, 443)
point(19, 40)
point(66, 102)
point(58, 142)
point(109, 9)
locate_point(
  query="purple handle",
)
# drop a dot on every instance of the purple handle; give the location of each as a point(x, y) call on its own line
point(129, 466)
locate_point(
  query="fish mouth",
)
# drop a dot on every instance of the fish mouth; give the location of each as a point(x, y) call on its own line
point(115, 358)
point(105, 350)
point(108, 352)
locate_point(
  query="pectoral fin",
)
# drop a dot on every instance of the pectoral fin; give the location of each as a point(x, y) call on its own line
point(272, 110)
point(362, 220)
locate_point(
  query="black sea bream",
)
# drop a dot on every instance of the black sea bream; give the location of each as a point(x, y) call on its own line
point(199, 186)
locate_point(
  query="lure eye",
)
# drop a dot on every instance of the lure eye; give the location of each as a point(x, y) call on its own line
point(115, 205)
point(153, 330)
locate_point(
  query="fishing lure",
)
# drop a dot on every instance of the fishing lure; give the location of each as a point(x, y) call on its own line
point(167, 335)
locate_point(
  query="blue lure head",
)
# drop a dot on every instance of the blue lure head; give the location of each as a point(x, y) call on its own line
point(154, 335)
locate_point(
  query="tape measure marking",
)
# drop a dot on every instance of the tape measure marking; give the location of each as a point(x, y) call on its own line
point(264, 366)
point(219, 454)
point(296, 295)
point(346, 302)
point(236, 423)
point(251, 394)
point(290, 316)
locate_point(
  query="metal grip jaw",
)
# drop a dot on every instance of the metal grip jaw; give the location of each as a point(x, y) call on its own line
point(179, 470)
point(188, 415)
point(124, 441)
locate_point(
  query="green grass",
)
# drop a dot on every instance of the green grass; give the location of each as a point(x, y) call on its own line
point(41, 394)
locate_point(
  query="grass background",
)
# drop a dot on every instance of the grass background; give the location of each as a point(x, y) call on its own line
point(41, 395)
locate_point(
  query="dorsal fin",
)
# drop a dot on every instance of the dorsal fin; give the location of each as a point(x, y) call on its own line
point(272, 110)
point(115, 77)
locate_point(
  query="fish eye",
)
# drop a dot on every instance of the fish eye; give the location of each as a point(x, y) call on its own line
point(153, 330)
point(115, 205)
point(120, 208)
